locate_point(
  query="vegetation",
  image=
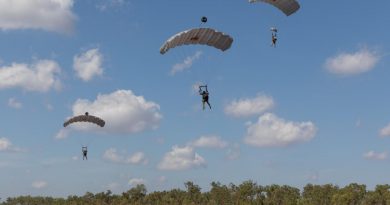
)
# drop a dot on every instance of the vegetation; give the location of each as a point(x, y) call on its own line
point(247, 193)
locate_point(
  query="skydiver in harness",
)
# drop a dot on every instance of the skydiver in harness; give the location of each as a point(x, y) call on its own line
point(85, 152)
point(274, 36)
point(205, 95)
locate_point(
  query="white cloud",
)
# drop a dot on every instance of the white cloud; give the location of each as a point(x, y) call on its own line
point(6, 145)
point(39, 184)
point(186, 64)
point(136, 181)
point(12, 102)
point(371, 155)
point(314, 176)
point(385, 132)
point(62, 134)
point(209, 142)
point(40, 76)
point(124, 113)
point(233, 152)
point(137, 158)
point(112, 155)
point(248, 107)
point(89, 64)
point(104, 5)
point(358, 123)
point(49, 106)
point(162, 179)
point(49, 15)
point(181, 158)
point(272, 131)
point(361, 61)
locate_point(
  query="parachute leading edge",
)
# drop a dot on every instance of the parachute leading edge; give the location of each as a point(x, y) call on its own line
point(288, 7)
point(202, 36)
point(85, 118)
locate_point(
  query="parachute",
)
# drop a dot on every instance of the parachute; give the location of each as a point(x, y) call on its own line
point(288, 7)
point(202, 36)
point(85, 118)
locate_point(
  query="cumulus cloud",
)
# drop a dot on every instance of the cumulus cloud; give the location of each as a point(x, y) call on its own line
point(112, 155)
point(49, 15)
point(186, 64)
point(39, 184)
point(136, 181)
point(123, 111)
point(49, 106)
point(249, 106)
point(314, 176)
point(40, 76)
point(104, 5)
point(6, 145)
point(162, 179)
point(233, 152)
point(209, 142)
point(385, 132)
point(371, 155)
point(62, 134)
point(12, 102)
point(272, 131)
point(88, 64)
point(181, 158)
point(361, 61)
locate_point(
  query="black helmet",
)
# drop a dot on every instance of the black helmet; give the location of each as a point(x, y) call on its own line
point(204, 19)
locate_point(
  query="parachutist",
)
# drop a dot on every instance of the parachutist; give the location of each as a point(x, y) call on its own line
point(274, 36)
point(85, 152)
point(274, 39)
point(205, 95)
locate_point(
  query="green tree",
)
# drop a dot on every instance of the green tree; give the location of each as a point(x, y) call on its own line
point(353, 194)
point(318, 194)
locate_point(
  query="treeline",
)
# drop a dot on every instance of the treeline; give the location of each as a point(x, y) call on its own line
point(247, 193)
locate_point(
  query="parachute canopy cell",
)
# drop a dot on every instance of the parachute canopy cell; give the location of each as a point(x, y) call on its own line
point(85, 118)
point(202, 36)
point(287, 6)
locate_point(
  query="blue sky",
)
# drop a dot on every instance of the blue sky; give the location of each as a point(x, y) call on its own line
point(315, 109)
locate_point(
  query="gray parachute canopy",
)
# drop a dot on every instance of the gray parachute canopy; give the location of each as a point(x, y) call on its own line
point(202, 36)
point(85, 118)
point(287, 6)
